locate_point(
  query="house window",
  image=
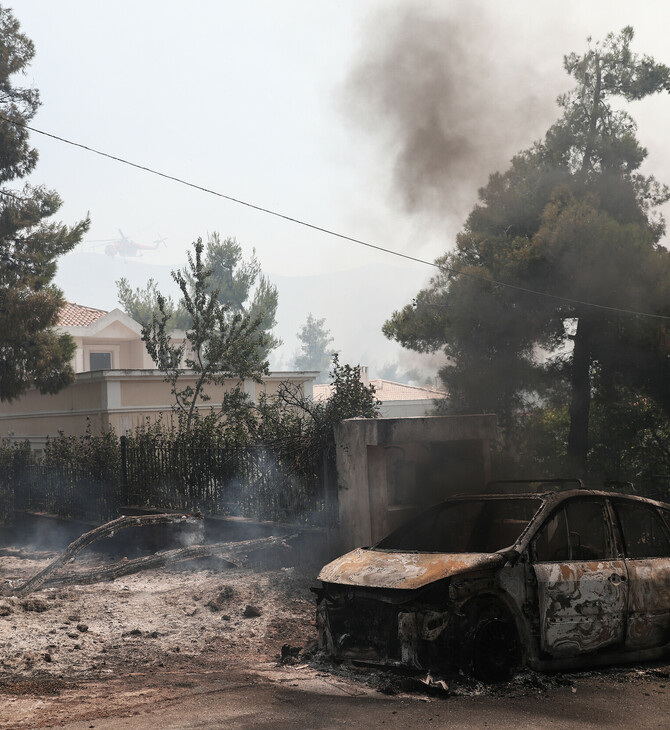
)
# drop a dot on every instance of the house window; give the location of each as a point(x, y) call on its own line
point(101, 360)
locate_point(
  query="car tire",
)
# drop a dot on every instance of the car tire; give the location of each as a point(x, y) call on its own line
point(491, 649)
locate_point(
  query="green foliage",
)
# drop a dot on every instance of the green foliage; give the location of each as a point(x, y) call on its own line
point(14, 458)
point(629, 436)
point(291, 414)
point(236, 284)
point(97, 455)
point(314, 353)
point(350, 397)
point(241, 286)
point(142, 304)
point(265, 459)
point(288, 436)
point(573, 218)
point(631, 439)
point(32, 354)
point(222, 343)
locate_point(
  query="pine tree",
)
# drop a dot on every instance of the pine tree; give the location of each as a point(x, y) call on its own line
point(240, 286)
point(220, 344)
point(572, 218)
point(314, 353)
point(32, 354)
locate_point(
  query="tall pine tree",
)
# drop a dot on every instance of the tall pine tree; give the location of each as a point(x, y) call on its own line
point(315, 352)
point(574, 219)
point(32, 354)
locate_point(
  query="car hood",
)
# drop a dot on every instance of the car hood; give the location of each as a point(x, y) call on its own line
point(370, 568)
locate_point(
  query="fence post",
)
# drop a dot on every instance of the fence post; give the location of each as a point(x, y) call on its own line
point(329, 503)
point(124, 471)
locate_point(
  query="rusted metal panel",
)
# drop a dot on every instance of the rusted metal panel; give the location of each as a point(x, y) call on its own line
point(405, 571)
point(649, 603)
point(582, 605)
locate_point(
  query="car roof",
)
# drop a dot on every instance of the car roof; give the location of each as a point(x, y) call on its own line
point(556, 496)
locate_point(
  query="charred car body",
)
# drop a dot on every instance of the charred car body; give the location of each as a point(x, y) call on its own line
point(487, 583)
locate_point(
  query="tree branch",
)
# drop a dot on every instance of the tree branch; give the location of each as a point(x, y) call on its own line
point(233, 552)
point(106, 530)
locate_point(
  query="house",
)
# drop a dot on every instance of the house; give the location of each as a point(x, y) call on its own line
point(105, 340)
point(397, 399)
point(116, 384)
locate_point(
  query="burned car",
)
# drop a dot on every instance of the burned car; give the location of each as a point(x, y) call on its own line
point(552, 581)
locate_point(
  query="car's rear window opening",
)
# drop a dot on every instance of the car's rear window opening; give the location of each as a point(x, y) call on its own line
point(467, 526)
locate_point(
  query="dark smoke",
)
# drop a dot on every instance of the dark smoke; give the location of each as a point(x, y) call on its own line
point(452, 95)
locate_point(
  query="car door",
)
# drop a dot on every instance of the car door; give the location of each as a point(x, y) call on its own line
point(647, 551)
point(581, 581)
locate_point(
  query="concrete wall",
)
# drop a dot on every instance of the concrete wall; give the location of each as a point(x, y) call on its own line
point(389, 469)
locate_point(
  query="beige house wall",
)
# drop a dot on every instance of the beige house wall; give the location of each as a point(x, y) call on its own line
point(117, 334)
point(117, 399)
point(122, 397)
point(406, 408)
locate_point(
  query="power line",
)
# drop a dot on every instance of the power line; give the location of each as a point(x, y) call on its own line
point(331, 232)
point(230, 198)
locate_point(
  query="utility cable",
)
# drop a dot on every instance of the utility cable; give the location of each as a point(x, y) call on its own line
point(331, 232)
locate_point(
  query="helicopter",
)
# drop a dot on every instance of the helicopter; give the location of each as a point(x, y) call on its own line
point(125, 246)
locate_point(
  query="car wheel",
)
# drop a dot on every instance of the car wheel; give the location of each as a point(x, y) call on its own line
point(491, 646)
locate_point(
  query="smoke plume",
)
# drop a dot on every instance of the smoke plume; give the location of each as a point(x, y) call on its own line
point(452, 97)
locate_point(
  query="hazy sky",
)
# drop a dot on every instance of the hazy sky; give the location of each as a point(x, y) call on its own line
point(377, 119)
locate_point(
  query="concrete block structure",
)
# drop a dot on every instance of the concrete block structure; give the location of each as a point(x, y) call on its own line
point(389, 469)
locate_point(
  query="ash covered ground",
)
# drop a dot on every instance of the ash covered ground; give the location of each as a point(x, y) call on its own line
point(155, 618)
point(122, 648)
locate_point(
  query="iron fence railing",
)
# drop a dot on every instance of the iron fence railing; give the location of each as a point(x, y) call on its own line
point(258, 482)
point(66, 491)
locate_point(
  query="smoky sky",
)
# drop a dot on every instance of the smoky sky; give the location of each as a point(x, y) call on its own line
point(449, 96)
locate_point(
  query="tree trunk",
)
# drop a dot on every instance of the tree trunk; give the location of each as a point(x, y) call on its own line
point(236, 553)
point(593, 122)
point(231, 551)
point(578, 438)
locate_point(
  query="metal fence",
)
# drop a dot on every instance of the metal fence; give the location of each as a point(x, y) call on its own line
point(66, 491)
point(258, 482)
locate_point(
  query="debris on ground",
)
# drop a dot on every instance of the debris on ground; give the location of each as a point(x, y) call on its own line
point(230, 553)
point(146, 621)
point(185, 621)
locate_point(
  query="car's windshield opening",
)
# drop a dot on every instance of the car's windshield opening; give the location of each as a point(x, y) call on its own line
point(465, 526)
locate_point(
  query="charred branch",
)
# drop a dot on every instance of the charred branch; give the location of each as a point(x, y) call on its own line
point(230, 551)
point(233, 552)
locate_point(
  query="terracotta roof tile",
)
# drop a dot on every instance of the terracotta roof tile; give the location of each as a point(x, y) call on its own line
point(74, 315)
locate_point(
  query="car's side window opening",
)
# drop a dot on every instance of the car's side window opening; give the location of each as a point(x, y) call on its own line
point(644, 534)
point(468, 526)
point(551, 544)
point(578, 530)
point(665, 514)
point(588, 530)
